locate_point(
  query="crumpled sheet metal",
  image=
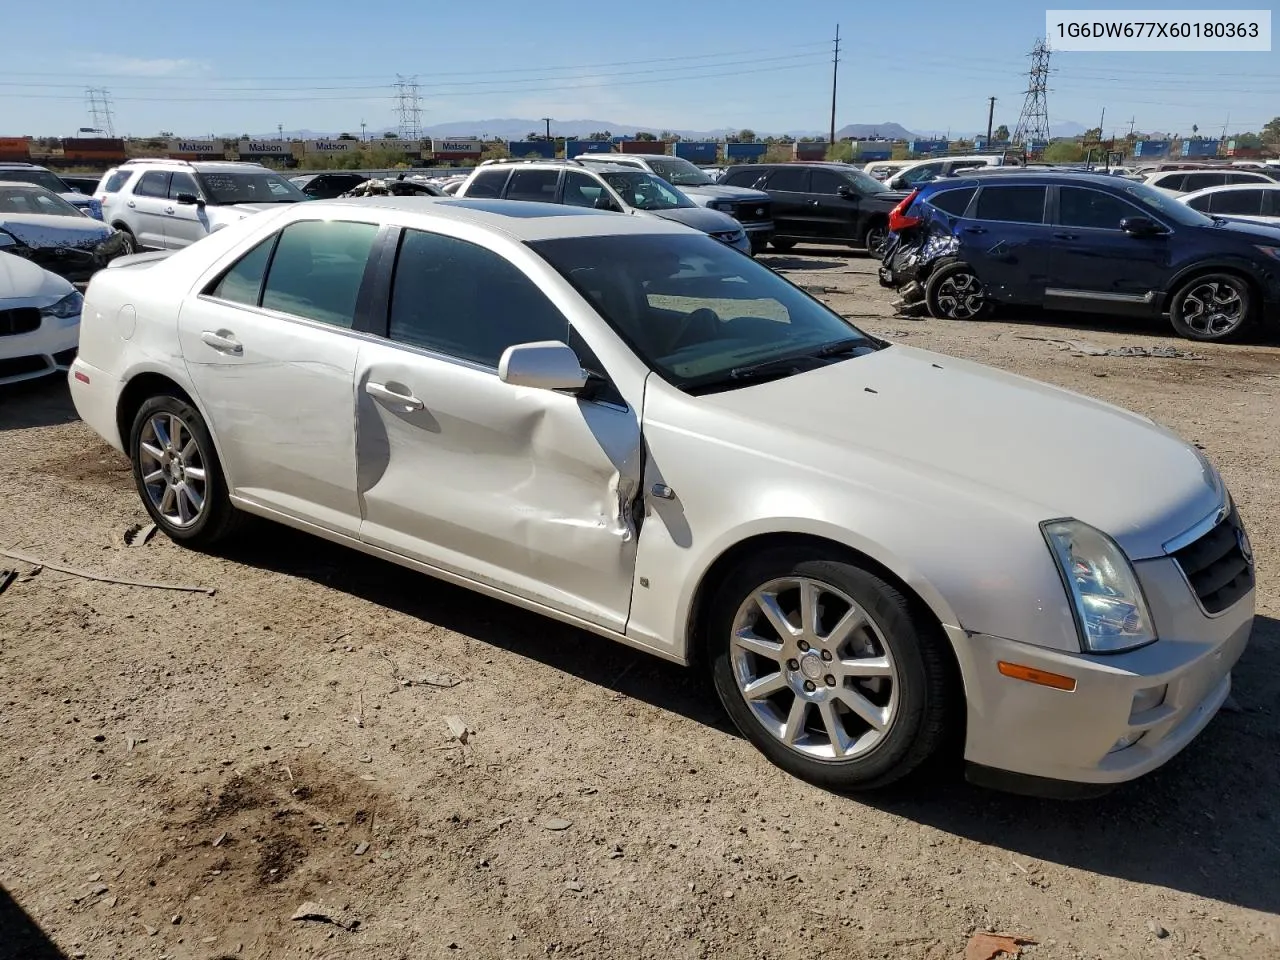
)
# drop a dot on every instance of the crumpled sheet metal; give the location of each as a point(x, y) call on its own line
point(918, 252)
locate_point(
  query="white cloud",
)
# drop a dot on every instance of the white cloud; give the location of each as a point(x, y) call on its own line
point(141, 67)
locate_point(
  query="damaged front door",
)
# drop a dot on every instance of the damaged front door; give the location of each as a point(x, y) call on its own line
point(526, 490)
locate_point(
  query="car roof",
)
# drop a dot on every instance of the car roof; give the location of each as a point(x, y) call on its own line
point(523, 220)
point(1048, 177)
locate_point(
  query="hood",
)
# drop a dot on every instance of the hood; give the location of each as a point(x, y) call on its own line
point(714, 191)
point(231, 212)
point(44, 230)
point(22, 280)
point(888, 200)
point(700, 218)
point(1249, 230)
point(986, 436)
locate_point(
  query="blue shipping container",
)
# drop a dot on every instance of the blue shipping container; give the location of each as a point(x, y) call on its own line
point(873, 153)
point(520, 149)
point(1200, 148)
point(745, 151)
point(927, 147)
point(1151, 148)
point(697, 152)
point(573, 148)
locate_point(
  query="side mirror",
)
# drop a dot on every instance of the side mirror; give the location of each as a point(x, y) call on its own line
point(603, 202)
point(846, 190)
point(545, 365)
point(1141, 227)
point(187, 199)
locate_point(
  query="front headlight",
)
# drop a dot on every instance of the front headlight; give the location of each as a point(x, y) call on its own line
point(1110, 610)
point(66, 308)
point(722, 206)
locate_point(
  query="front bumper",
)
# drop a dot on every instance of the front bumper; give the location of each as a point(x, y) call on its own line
point(45, 350)
point(1039, 732)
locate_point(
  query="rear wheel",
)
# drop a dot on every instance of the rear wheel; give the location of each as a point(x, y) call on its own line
point(782, 246)
point(828, 669)
point(177, 472)
point(1215, 306)
point(954, 292)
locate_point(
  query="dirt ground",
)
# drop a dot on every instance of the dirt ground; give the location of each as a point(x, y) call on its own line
point(179, 772)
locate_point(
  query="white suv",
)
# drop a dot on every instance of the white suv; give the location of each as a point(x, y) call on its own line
point(168, 204)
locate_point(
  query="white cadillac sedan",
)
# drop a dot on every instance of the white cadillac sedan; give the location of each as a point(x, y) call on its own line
point(881, 553)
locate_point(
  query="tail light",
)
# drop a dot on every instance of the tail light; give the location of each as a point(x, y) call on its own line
point(898, 219)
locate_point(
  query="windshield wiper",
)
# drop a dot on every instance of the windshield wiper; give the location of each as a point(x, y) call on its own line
point(780, 367)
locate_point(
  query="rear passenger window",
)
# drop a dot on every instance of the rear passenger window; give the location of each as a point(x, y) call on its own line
point(459, 299)
point(153, 184)
point(539, 185)
point(1244, 178)
point(317, 270)
point(954, 202)
point(243, 282)
point(789, 180)
point(1198, 181)
point(116, 181)
point(1021, 204)
point(488, 184)
point(1238, 202)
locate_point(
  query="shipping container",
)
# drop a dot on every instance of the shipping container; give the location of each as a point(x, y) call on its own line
point(621, 138)
point(868, 154)
point(1151, 148)
point(1200, 148)
point(197, 150)
point(264, 149)
point(573, 148)
point(706, 151)
point(524, 149)
point(810, 150)
point(15, 149)
point(744, 152)
point(927, 148)
point(651, 147)
point(325, 147)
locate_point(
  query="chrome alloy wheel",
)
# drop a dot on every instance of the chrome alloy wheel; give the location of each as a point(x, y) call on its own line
point(173, 469)
point(960, 296)
point(814, 668)
point(1213, 308)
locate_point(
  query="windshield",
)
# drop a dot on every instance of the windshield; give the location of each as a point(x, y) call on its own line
point(41, 178)
point(28, 198)
point(864, 182)
point(249, 187)
point(680, 172)
point(697, 312)
point(644, 191)
point(1167, 206)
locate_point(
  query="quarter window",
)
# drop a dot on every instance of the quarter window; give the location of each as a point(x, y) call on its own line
point(1078, 207)
point(317, 270)
point(461, 300)
point(1021, 204)
point(153, 184)
point(538, 185)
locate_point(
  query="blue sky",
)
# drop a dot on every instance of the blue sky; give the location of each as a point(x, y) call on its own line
point(223, 66)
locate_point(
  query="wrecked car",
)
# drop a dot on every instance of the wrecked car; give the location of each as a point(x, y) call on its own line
point(1082, 242)
point(40, 226)
point(625, 424)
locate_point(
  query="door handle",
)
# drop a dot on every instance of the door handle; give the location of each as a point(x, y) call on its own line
point(814, 203)
point(1066, 236)
point(168, 209)
point(975, 229)
point(132, 204)
point(381, 391)
point(224, 341)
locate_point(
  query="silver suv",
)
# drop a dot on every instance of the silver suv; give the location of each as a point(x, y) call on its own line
point(602, 186)
point(168, 204)
point(752, 208)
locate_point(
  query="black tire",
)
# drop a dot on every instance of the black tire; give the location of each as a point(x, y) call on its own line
point(954, 292)
point(1213, 307)
point(876, 237)
point(130, 241)
point(758, 246)
point(928, 693)
point(782, 246)
point(216, 519)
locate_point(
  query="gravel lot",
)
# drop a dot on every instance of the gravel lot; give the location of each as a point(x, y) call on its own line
point(182, 771)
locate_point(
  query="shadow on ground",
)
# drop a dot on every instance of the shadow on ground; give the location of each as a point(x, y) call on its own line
point(21, 937)
point(1205, 824)
point(36, 403)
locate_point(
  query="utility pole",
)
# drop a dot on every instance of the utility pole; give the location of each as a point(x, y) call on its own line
point(835, 69)
point(991, 112)
point(362, 126)
point(1101, 121)
point(1132, 120)
point(280, 130)
point(547, 121)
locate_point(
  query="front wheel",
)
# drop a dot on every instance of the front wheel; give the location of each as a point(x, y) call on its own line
point(782, 246)
point(176, 469)
point(1215, 306)
point(877, 239)
point(829, 670)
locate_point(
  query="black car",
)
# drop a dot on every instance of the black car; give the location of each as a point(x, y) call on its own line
point(327, 186)
point(1081, 242)
point(821, 203)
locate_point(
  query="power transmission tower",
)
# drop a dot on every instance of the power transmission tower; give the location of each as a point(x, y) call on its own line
point(1033, 122)
point(98, 102)
point(408, 107)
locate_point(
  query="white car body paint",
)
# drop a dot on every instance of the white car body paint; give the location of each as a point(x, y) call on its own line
point(26, 286)
point(939, 470)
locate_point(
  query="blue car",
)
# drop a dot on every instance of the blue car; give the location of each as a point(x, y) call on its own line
point(1080, 242)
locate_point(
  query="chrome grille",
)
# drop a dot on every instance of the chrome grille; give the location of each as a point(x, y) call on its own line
point(21, 320)
point(1217, 565)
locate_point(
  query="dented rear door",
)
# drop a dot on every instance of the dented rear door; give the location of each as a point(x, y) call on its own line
point(527, 490)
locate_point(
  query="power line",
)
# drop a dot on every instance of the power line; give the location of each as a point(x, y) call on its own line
point(1033, 122)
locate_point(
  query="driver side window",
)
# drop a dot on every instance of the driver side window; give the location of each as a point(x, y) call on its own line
point(827, 183)
point(581, 190)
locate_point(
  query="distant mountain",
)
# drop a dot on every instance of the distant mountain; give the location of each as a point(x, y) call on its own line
point(886, 131)
point(1067, 128)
